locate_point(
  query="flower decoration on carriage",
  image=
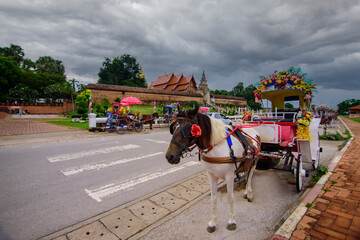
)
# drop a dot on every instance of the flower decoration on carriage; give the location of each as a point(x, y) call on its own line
point(123, 110)
point(247, 116)
point(137, 113)
point(293, 78)
point(303, 119)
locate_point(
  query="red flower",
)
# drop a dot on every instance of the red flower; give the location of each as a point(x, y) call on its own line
point(195, 130)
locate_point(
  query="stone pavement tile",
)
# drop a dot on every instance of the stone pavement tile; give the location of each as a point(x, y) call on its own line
point(196, 186)
point(123, 223)
point(183, 192)
point(168, 201)
point(95, 230)
point(148, 211)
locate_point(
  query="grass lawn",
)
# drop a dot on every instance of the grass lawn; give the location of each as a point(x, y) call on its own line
point(68, 122)
point(354, 119)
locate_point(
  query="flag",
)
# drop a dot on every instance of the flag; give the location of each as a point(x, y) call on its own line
point(90, 103)
point(154, 106)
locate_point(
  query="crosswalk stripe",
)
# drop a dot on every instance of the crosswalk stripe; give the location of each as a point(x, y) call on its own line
point(70, 156)
point(157, 141)
point(99, 193)
point(97, 166)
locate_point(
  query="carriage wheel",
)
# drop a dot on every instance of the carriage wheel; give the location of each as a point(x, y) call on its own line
point(138, 127)
point(315, 162)
point(120, 129)
point(299, 174)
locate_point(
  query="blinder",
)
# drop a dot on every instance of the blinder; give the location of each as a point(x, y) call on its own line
point(186, 130)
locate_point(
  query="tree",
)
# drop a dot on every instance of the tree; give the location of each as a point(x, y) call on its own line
point(123, 71)
point(9, 75)
point(345, 105)
point(49, 65)
point(238, 90)
point(220, 92)
point(247, 93)
point(14, 52)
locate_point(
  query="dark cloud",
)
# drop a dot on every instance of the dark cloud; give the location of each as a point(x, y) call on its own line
point(231, 40)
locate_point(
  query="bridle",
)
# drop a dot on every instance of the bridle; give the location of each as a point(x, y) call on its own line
point(186, 133)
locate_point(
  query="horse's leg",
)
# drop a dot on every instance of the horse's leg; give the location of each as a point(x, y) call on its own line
point(230, 193)
point(249, 192)
point(213, 184)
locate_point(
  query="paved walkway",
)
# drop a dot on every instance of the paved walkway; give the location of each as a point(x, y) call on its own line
point(335, 213)
point(10, 126)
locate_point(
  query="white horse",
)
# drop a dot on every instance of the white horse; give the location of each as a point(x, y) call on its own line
point(211, 137)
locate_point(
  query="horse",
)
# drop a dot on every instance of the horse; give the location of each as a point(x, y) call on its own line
point(191, 128)
point(149, 119)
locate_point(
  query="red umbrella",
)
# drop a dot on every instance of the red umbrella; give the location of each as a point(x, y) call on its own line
point(131, 100)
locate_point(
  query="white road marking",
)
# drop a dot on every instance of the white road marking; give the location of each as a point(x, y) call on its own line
point(157, 141)
point(70, 156)
point(97, 166)
point(99, 193)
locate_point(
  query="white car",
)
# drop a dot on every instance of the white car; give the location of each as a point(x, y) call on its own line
point(221, 117)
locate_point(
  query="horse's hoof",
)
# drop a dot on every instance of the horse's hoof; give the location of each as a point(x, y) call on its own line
point(231, 226)
point(250, 199)
point(211, 229)
point(245, 196)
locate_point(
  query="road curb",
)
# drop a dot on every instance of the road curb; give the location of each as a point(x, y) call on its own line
point(148, 228)
point(286, 229)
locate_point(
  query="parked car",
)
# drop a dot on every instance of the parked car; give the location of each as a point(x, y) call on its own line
point(221, 117)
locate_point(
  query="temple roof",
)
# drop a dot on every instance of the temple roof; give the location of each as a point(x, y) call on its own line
point(173, 82)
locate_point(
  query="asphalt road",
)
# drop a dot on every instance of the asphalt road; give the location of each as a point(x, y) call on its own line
point(45, 187)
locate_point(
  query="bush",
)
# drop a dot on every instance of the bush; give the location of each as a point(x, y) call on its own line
point(193, 104)
point(117, 99)
point(84, 116)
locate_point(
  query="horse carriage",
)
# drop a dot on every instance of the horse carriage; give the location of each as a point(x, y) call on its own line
point(122, 119)
point(280, 133)
point(287, 133)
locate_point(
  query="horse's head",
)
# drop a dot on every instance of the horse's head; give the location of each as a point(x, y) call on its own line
point(185, 130)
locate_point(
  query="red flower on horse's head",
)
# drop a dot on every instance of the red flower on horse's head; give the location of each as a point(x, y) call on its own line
point(195, 130)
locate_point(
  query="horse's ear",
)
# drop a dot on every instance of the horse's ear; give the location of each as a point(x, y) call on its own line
point(179, 108)
point(192, 113)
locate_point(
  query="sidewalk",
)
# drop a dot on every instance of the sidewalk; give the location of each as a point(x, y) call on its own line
point(335, 213)
point(331, 210)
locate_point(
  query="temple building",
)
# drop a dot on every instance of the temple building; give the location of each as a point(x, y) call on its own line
point(173, 82)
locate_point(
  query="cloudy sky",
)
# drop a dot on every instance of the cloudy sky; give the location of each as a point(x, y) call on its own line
point(232, 40)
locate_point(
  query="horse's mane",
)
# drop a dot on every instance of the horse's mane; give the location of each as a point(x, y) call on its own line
point(213, 131)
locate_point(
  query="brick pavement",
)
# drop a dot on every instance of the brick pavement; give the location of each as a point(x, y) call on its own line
point(335, 213)
point(24, 126)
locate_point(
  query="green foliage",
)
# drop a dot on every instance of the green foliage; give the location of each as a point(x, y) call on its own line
point(117, 100)
point(247, 93)
point(308, 205)
point(123, 71)
point(345, 105)
point(220, 92)
point(82, 100)
point(24, 80)
point(13, 52)
point(47, 64)
point(9, 74)
point(289, 105)
point(99, 109)
point(320, 171)
point(105, 101)
point(193, 104)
